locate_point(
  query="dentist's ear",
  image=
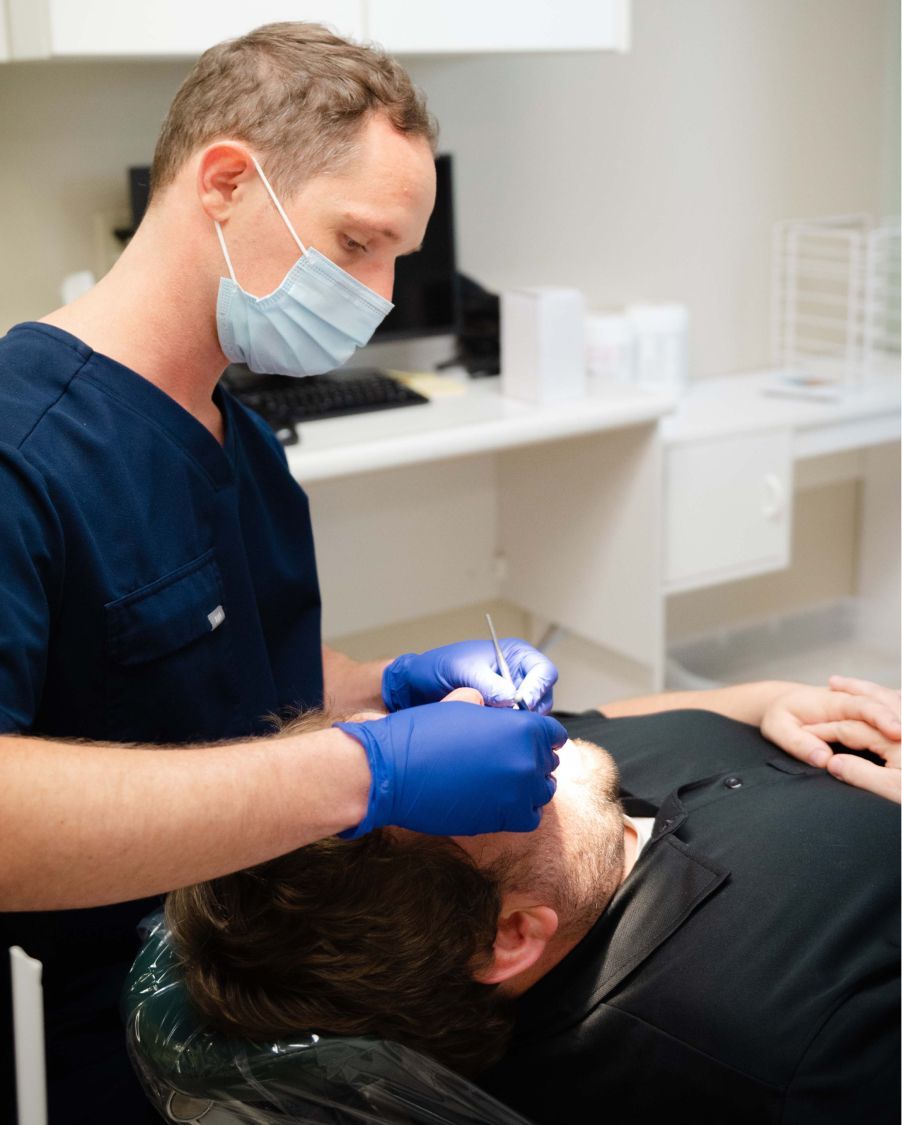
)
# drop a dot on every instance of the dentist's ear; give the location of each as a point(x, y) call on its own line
point(222, 171)
point(522, 937)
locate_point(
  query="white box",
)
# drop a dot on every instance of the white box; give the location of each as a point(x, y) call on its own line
point(543, 344)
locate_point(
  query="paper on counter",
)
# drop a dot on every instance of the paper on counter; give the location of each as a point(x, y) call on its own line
point(429, 384)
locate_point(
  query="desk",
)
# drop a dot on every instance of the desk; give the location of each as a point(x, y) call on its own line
point(474, 497)
point(478, 420)
point(749, 454)
point(562, 509)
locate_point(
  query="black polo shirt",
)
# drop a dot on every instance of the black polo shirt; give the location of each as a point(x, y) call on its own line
point(747, 969)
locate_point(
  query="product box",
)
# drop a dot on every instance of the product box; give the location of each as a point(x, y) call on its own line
point(543, 348)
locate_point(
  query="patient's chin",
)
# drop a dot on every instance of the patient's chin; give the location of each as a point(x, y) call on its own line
point(586, 763)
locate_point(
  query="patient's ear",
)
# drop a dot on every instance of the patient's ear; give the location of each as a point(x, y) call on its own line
point(522, 937)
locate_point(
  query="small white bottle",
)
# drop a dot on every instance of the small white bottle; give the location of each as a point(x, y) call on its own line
point(610, 346)
point(661, 346)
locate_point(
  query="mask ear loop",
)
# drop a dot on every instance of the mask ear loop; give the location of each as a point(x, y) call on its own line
point(279, 207)
point(225, 252)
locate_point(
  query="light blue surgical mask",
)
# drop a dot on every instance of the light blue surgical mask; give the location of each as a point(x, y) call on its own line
point(312, 323)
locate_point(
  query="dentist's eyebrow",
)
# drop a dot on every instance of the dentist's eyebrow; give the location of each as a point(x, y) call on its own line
point(386, 232)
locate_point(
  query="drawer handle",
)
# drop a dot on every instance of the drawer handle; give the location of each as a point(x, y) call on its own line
point(773, 499)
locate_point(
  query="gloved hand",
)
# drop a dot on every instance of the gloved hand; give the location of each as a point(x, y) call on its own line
point(452, 769)
point(425, 677)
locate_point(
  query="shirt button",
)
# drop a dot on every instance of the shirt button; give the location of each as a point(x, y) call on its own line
point(733, 783)
point(667, 824)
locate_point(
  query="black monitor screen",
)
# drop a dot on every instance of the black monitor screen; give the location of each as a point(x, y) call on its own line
point(426, 293)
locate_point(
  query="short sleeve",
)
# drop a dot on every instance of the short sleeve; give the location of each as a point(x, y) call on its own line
point(31, 566)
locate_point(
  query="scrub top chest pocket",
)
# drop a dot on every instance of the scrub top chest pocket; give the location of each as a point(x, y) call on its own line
point(169, 655)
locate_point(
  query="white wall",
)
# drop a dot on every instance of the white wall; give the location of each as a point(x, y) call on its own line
point(655, 174)
point(658, 174)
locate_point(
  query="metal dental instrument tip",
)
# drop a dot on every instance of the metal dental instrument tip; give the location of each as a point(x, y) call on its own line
point(503, 669)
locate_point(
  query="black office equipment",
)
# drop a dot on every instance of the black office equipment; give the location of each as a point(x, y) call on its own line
point(426, 293)
point(284, 401)
point(479, 334)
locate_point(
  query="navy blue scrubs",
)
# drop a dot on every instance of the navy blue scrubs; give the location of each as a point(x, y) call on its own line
point(155, 587)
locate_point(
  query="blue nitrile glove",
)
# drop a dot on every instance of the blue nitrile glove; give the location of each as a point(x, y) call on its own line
point(428, 676)
point(457, 769)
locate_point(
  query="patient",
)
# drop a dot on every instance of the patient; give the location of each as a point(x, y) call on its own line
point(728, 951)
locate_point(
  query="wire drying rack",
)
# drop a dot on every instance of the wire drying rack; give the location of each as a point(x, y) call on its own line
point(836, 293)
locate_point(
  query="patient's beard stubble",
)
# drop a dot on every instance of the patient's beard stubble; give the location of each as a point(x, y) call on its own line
point(578, 870)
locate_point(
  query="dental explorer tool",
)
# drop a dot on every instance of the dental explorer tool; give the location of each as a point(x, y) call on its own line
point(503, 669)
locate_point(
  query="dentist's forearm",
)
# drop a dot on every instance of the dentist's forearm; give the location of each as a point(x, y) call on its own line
point(88, 824)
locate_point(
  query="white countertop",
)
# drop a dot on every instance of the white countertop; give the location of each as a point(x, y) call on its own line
point(734, 404)
point(479, 420)
point(476, 418)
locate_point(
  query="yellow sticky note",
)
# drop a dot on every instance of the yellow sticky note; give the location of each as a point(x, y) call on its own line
point(429, 384)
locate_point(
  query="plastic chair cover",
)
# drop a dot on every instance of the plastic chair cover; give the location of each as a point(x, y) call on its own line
point(192, 1073)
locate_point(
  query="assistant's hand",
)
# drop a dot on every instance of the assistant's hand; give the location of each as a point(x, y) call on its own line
point(856, 713)
point(425, 677)
point(452, 769)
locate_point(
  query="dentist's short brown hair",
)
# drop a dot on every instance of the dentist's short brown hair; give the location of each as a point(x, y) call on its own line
point(293, 92)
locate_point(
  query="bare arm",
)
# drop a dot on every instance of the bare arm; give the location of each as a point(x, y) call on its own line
point(352, 685)
point(88, 824)
point(804, 720)
point(748, 703)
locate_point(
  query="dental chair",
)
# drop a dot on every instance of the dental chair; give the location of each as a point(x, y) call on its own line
point(195, 1075)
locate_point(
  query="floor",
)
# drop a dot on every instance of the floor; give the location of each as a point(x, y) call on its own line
point(808, 646)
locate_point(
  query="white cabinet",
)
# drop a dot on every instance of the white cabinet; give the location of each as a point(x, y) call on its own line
point(727, 508)
point(470, 26)
point(41, 29)
point(45, 29)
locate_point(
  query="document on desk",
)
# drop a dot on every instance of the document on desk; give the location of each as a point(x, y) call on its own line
point(789, 385)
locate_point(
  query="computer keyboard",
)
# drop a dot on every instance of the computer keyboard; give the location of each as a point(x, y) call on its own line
point(284, 401)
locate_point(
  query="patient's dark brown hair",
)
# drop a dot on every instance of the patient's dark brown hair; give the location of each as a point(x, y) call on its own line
point(376, 936)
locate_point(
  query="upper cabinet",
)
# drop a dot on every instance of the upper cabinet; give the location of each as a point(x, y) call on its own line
point(436, 27)
point(149, 29)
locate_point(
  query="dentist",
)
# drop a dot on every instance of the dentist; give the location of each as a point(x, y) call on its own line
point(158, 586)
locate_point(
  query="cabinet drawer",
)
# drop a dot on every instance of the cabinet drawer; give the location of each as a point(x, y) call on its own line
point(727, 509)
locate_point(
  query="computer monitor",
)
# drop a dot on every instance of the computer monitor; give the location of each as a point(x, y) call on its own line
point(426, 296)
